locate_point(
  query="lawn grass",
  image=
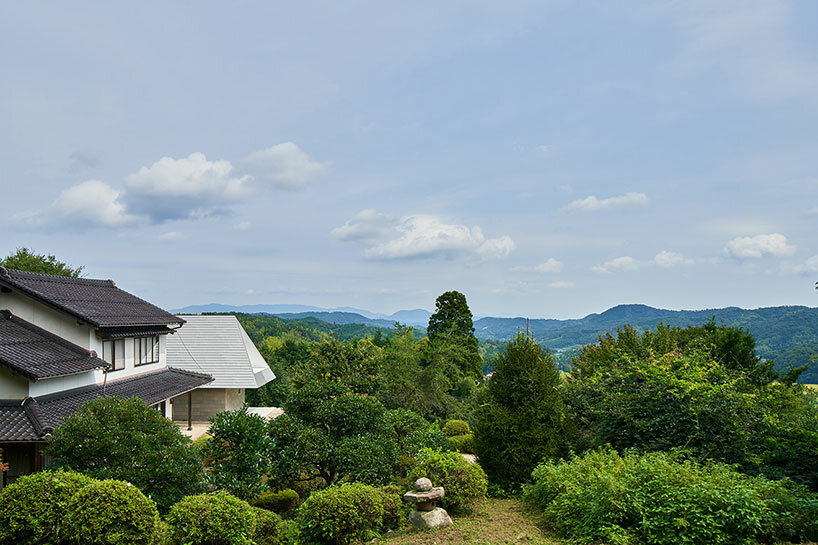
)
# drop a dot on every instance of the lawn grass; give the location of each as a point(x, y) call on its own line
point(490, 522)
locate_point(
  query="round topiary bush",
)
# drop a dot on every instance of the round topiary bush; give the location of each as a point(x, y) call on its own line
point(463, 443)
point(32, 508)
point(278, 502)
point(269, 528)
point(456, 427)
point(345, 513)
point(207, 519)
point(463, 481)
point(111, 513)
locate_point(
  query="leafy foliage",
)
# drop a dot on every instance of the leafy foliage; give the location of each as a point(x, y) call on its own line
point(462, 443)
point(238, 452)
point(523, 420)
point(463, 481)
point(643, 392)
point(279, 501)
point(269, 528)
point(660, 499)
point(345, 513)
point(125, 439)
point(111, 512)
point(25, 259)
point(32, 508)
point(451, 324)
point(205, 519)
point(456, 427)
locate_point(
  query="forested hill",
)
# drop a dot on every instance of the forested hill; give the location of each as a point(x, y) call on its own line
point(775, 328)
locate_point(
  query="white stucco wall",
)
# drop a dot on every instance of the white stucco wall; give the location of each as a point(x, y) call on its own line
point(51, 320)
point(11, 386)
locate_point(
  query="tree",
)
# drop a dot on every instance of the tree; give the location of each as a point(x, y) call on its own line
point(523, 421)
point(238, 453)
point(452, 324)
point(125, 439)
point(24, 259)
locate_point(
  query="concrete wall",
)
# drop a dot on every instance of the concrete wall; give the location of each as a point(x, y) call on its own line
point(208, 402)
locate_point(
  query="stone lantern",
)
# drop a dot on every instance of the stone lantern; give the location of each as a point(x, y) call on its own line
point(426, 513)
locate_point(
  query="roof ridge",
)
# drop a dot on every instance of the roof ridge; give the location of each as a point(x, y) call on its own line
point(57, 278)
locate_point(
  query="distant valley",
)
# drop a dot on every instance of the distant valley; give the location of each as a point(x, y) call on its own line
point(788, 334)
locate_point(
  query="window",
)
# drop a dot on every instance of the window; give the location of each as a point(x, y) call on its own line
point(146, 350)
point(114, 353)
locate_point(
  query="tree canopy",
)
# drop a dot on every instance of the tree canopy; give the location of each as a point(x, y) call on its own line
point(452, 325)
point(25, 259)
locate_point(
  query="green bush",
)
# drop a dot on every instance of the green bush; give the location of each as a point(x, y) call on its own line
point(269, 528)
point(32, 509)
point(463, 443)
point(278, 502)
point(456, 427)
point(211, 519)
point(111, 513)
point(342, 514)
point(659, 499)
point(463, 481)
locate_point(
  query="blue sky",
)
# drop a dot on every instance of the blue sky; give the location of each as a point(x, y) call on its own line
point(545, 158)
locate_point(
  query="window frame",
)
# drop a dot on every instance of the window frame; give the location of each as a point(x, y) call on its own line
point(116, 359)
point(150, 345)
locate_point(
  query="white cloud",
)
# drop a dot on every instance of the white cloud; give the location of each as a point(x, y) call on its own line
point(560, 284)
point(774, 244)
point(809, 266)
point(593, 204)
point(171, 235)
point(284, 166)
point(551, 265)
point(366, 225)
point(184, 188)
point(624, 263)
point(545, 148)
point(668, 259)
point(813, 211)
point(242, 226)
point(419, 236)
point(91, 203)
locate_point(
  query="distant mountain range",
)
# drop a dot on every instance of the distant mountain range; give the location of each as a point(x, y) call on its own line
point(338, 315)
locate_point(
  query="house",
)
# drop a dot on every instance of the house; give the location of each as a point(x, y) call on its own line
point(64, 341)
point(217, 346)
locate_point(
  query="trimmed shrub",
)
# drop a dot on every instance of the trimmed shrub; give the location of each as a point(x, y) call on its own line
point(463, 443)
point(342, 514)
point(456, 427)
point(211, 519)
point(658, 498)
point(269, 528)
point(463, 481)
point(111, 512)
point(278, 502)
point(32, 508)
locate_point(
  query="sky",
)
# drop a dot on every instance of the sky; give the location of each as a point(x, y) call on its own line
point(547, 159)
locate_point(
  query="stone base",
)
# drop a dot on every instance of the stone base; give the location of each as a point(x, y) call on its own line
point(436, 518)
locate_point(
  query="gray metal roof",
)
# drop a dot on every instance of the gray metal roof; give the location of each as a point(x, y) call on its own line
point(218, 346)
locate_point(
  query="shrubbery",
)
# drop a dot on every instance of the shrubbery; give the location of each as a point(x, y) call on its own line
point(111, 513)
point(463, 443)
point(206, 519)
point(463, 481)
point(269, 528)
point(660, 499)
point(344, 513)
point(125, 439)
point(456, 427)
point(278, 502)
point(32, 509)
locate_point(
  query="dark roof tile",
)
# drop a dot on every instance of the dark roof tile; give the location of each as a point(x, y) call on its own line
point(14, 423)
point(36, 354)
point(97, 302)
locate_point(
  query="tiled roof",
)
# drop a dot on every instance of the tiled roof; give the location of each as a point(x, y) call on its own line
point(14, 423)
point(219, 346)
point(97, 302)
point(42, 414)
point(35, 353)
